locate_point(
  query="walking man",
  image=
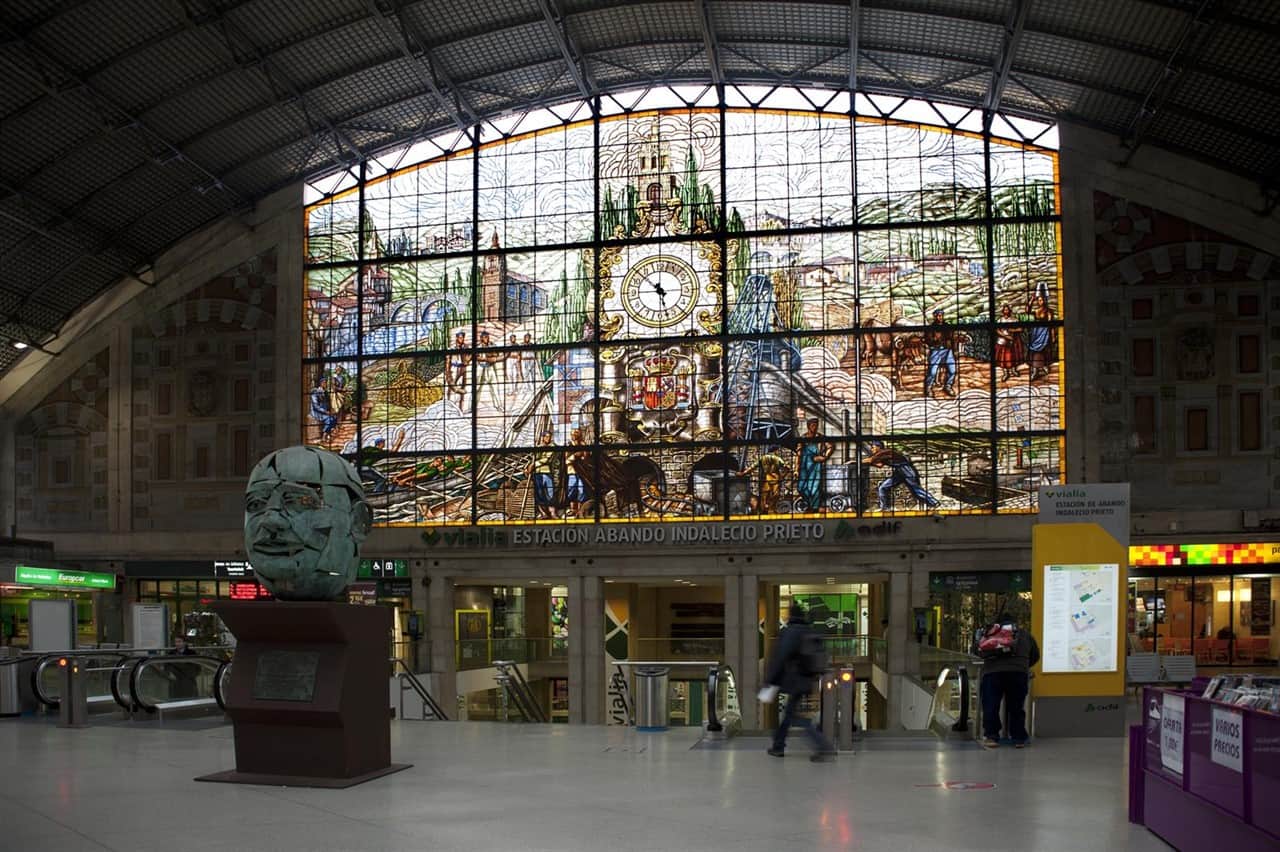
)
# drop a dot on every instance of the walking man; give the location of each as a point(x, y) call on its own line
point(798, 661)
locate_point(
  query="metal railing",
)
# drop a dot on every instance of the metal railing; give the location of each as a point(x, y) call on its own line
point(471, 654)
point(512, 680)
point(408, 680)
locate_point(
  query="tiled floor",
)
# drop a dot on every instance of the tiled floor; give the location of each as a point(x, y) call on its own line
point(478, 786)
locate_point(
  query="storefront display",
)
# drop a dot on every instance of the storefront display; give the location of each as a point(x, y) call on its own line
point(1212, 601)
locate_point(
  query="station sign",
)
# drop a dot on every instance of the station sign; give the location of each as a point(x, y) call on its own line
point(377, 569)
point(29, 575)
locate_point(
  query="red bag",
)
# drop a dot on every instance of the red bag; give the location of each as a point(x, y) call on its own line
point(998, 639)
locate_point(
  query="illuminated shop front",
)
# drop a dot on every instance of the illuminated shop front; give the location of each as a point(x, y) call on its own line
point(1215, 601)
point(786, 304)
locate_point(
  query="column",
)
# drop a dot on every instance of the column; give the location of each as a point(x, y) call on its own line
point(741, 641)
point(440, 630)
point(593, 656)
point(577, 648)
point(899, 638)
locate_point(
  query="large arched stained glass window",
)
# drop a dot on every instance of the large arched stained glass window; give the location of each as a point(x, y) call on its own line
point(785, 304)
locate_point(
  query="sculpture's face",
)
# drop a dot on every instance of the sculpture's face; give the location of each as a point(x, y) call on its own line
point(304, 520)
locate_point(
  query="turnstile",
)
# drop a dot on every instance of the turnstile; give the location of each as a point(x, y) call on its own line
point(837, 706)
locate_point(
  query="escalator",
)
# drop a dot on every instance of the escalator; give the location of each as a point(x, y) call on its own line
point(98, 667)
point(177, 684)
point(513, 683)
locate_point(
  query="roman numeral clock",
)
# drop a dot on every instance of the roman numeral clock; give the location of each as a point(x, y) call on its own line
point(670, 390)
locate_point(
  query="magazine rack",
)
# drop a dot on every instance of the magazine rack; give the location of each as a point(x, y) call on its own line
point(1203, 774)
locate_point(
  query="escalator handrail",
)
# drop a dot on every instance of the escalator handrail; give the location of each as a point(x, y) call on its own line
point(419, 688)
point(167, 658)
point(218, 695)
point(130, 705)
point(716, 673)
point(48, 659)
point(521, 692)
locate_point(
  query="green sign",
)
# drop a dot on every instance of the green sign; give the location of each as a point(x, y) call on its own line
point(379, 569)
point(30, 576)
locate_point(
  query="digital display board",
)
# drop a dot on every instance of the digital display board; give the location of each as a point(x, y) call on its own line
point(249, 591)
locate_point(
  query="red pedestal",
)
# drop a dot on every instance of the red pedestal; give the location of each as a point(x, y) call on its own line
point(308, 693)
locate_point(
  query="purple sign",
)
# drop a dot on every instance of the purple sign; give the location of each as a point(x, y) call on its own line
point(1210, 775)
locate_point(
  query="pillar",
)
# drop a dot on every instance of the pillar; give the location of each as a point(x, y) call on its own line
point(593, 656)
point(900, 656)
point(440, 631)
point(741, 641)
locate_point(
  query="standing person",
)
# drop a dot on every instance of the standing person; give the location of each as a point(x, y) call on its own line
point(942, 356)
point(1008, 653)
point(794, 668)
point(1009, 352)
point(456, 378)
point(487, 376)
point(511, 372)
point(810, 462)
point(542, 469)
point(576, 491)
point(1040, 348)
point(321, 413)
point(530, 366)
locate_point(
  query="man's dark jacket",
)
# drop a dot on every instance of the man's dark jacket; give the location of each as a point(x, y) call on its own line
point(784, 665)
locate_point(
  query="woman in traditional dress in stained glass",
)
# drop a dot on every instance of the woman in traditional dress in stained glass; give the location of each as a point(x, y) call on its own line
point(810, 460)
point(1040, 338)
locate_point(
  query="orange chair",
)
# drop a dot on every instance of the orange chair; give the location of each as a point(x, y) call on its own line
point(1221, 650)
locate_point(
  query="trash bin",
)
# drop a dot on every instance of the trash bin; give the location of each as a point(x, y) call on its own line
point(10, 693)
point(652, 704)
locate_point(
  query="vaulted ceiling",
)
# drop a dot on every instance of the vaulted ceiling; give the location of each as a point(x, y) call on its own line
point(127, 124)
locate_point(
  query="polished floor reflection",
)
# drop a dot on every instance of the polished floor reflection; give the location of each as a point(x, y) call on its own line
point(477, 786)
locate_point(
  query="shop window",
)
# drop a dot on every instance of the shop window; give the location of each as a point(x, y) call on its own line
point(1250, 420)
point(1142, 309)
point(1197, 429)
point(1144, 356)
point(1144, 423)
point(1248, 353)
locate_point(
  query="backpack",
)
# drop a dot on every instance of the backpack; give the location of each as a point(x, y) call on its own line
point(998, 639)
point(811, 660)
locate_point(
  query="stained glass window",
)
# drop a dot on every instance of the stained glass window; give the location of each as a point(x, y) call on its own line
point(786, 304)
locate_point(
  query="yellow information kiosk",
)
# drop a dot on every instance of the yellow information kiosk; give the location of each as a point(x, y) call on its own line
point(1078, 582)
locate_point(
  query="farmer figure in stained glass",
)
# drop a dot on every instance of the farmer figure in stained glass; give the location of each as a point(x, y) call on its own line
point(942, 356)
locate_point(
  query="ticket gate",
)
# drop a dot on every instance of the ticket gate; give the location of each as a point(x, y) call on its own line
point(837, 706)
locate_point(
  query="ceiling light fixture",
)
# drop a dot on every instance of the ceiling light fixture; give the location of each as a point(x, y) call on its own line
point(18, 344)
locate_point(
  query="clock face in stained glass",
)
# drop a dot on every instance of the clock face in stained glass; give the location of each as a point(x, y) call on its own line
point(660, 291)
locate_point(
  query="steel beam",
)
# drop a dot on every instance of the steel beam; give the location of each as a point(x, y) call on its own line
point(106, 106)
point(1000, 74)
point(855, 36)
point(709, 41)
point(1194, 35)
point(578, 69)
point(428, 67)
